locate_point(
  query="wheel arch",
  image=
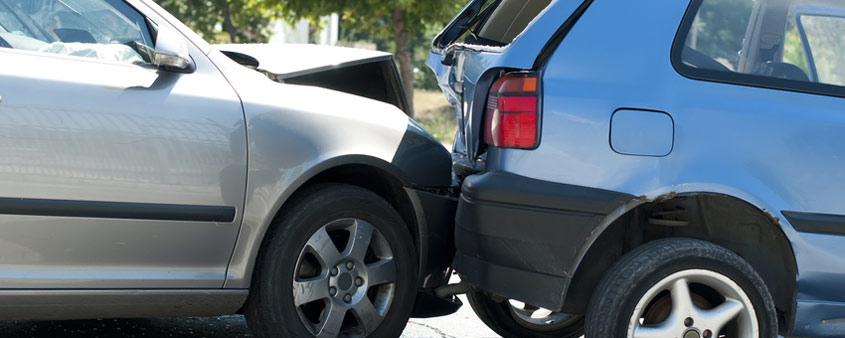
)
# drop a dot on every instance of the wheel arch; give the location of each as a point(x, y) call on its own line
point(725, 220)
point(374, 174)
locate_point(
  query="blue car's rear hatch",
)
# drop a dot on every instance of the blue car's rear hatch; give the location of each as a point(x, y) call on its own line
point(487, 38)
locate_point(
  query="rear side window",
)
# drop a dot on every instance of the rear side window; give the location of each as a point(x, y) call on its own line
point(780, 44)
point(492, 22)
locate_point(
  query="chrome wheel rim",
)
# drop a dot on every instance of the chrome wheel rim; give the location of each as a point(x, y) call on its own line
point(344, 282)
point(539, 319)
point(691, 317)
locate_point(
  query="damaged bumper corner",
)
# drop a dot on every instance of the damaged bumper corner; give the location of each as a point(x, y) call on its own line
point(512, 232)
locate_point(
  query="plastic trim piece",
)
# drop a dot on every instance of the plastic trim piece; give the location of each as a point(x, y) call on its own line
point(825, 224)
point(91, 209)
point(515, 236)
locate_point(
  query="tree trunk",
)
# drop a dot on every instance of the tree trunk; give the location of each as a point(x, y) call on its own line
point(403, 56)
point(227, 23)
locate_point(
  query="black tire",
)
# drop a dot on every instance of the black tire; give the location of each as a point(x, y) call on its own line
point(284, 258)
point(703, 267)
point(502, 318)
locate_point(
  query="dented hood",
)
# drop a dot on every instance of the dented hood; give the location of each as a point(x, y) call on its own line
point(367, 73)
point(294, 60)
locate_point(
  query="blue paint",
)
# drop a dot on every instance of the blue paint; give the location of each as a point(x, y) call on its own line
point(775, 149)
point(642, 132)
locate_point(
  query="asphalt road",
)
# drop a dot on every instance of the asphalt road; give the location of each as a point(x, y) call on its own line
point(463, 324)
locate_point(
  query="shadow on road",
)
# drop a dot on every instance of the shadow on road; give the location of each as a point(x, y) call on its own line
point(215, 327)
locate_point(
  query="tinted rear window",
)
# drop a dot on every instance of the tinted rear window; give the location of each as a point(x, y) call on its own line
point(493, 22)
point(510, 18)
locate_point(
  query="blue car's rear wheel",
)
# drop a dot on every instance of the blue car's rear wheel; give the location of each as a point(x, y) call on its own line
point(510, 318)
point(682, 288)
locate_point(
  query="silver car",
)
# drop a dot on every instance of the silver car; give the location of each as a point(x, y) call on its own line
point(143, 173)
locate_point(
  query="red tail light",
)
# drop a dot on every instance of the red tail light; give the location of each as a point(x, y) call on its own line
point(511, 119)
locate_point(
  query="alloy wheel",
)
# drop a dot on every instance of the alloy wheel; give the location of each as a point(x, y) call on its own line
point(716, 307)
point(344, 282)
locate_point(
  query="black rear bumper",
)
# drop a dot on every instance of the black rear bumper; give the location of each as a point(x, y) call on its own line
point(519, 237)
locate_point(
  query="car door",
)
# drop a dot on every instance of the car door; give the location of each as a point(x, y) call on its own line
point(113, 173)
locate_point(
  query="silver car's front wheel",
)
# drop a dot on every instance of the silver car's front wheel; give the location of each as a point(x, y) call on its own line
point(338, 262)
point(681, 288)
point(328, 284)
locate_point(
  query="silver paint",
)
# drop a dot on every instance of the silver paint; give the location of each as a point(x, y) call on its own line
point(87, 130)
point(223, 135)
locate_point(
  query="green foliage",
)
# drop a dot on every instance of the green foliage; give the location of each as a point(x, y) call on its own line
point(250, 19)
point(826, 35)
point(371, 20)
point(720, 28)
point(793, 49)
point(436, 115)
point(373, 17)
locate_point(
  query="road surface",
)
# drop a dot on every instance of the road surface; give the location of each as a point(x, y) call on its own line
point(463, 324)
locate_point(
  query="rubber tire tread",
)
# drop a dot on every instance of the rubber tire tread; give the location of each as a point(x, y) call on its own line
point(616, 296)
point(498, 318)
point(303, 214)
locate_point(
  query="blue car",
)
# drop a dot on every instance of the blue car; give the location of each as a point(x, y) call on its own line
point(650, 168)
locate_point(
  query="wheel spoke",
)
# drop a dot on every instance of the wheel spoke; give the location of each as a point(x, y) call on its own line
point(721, 315)
point(322, 246)
point(541, 313)
point(381, 272)
point(332, 322)
point(682, 306)
point(661, 331)
point(367, 315)
point(309, 290)
point(359, 240)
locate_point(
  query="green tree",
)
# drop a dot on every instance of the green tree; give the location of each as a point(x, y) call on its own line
point(241, 21)
point(403, 21)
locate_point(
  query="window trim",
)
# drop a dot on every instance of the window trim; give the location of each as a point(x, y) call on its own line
point(733, 78)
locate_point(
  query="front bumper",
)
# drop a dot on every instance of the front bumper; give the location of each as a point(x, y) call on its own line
point(519, 237)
